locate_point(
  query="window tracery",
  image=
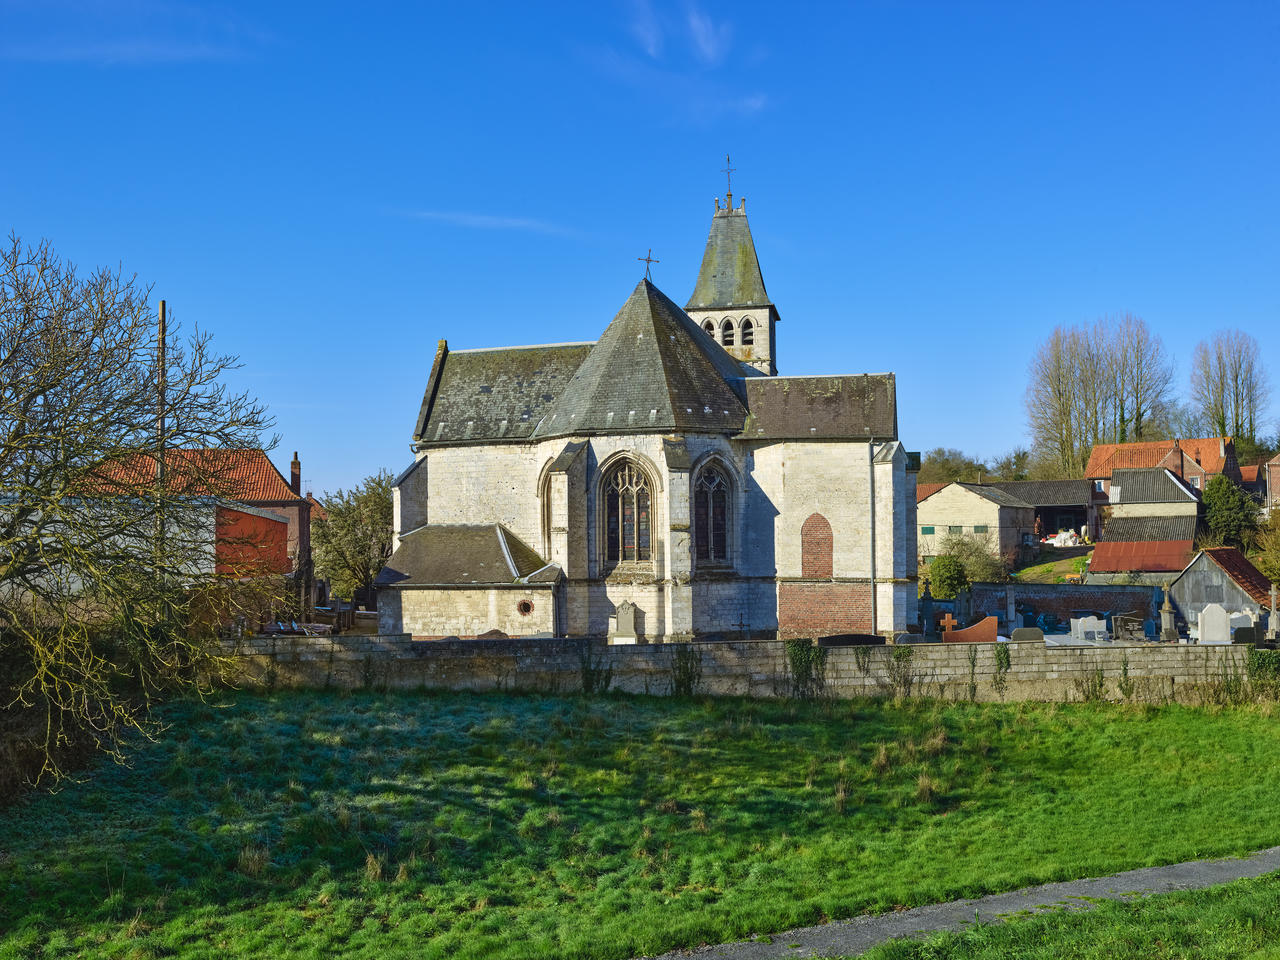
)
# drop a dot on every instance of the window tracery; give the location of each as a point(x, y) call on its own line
point(628, 520)
point(711, 517)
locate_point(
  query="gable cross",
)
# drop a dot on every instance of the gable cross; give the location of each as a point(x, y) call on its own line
point(648, 261)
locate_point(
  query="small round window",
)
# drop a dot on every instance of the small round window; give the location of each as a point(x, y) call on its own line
point(525, 607)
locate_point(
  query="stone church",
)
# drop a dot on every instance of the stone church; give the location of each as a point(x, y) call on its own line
point(660, 484)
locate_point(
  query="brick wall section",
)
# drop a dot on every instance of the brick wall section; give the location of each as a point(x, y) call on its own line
point(1060, 599)
point(822, 608)
point(815, 548)
point(751, 668)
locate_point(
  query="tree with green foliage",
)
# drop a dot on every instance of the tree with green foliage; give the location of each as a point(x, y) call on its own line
point(1014, 465)
point(352, 541)
point(1230, 513)
point(1267, 559)
point(945, 464)
point(977, 554)
point(947, 576)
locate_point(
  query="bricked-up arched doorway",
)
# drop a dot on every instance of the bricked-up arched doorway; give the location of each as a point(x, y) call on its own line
point(816, 545)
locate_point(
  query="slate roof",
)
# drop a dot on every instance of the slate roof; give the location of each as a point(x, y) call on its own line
point(1048, 493)
point(461, 553)
point(994, 494)
point(1242, 573)
point(1148, 556)
point(730, 273)
point(1134, 529)
point(494, 394)
point(247, 475)
point(860, 407)
point(1214, 454)
point(652, 370)
point(1148, 486)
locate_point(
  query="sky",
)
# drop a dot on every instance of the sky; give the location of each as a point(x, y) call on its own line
point(329, 189)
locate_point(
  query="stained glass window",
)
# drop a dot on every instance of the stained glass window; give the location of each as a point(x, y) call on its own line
point(711, 517)
point(627, 519)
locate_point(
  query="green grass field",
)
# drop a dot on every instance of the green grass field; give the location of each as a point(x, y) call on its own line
point(1237, 921)
point(455, 825)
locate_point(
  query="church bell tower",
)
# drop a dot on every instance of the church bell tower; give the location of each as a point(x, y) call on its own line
point(729, 301)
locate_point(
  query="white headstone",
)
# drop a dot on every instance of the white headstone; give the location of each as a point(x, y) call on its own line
point(1089, 631)
point(1215, 624)
point(624, 631)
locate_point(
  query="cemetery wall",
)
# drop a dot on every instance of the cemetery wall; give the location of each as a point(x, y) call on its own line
point(1149, 672)
point(1063, 599)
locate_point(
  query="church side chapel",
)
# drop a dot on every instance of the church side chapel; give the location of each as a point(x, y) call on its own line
point(660, 484)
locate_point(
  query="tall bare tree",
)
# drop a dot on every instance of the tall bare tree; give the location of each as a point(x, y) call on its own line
point(1230, 384)
point(107, 566)
point(1104, 382)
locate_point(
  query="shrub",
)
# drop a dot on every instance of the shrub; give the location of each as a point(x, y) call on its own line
point(947, 575)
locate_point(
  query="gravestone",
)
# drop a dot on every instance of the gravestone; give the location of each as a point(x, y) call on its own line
point(1249, 634)
point(1215, 624)
point(927, 626)
point(1027, 635)
point(1089, 631)
point(1168, 626)
point(984, 631)
point(624, 630)
point(1127, 629)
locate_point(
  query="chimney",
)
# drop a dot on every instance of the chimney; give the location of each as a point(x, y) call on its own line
point(1222, 447)
point(295, 475)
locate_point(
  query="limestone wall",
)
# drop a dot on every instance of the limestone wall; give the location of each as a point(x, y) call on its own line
point(1150, 672)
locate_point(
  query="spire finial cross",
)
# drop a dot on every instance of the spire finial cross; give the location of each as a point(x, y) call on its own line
point(648, 261)
point(728, 172)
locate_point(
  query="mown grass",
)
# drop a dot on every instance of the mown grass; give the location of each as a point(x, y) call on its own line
point(1236, 921)
point(457, 825)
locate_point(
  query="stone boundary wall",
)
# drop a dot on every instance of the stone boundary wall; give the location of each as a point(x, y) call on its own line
point(762, 668)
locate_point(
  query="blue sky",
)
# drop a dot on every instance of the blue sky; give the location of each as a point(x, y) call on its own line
point(331, 188)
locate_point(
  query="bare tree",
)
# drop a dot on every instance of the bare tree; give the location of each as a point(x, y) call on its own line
point(1230, 384)
point(1107, 382)
point(107, 572)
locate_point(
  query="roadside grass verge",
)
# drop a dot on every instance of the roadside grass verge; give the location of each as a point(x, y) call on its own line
point(1235, 921)
point(474, 825)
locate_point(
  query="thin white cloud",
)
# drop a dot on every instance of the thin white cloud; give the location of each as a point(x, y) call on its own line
point(125, 32)
point(710, 40)
point(646, 28)
point(485, 221)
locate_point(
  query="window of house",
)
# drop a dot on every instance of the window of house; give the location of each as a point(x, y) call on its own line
point(726, 333)
point(955, 529)
point(981, 529)
point(1097, 486)
point(710, 328)
point(711, 517)
point(627, 516)
point(748, 333)
point(926, 531)
point(1195, 482)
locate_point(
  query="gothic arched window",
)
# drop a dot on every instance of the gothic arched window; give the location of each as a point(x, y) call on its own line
point(726, 333)
point(710, 328)
point(711, 517)
point(748, 333)
point(627, 527)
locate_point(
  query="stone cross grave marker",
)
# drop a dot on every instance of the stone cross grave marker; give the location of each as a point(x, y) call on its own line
point(948, 623)
point(1215, 624)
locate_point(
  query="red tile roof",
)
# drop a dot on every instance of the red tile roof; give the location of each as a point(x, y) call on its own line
point(928, 489)
point(247, 476)
point(318, 512)
point(1207, 451)
point(1141, 556)
point(1245, 575)
point(1249, 473)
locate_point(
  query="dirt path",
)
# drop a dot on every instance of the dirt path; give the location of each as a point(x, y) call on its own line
point(851, 937)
